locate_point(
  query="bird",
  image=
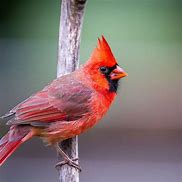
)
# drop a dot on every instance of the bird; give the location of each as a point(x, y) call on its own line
point(68, 106)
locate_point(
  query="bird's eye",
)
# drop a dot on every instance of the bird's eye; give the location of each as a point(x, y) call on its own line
point(104, 69)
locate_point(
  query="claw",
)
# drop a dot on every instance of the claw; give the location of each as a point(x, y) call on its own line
point(71, 163)
point(67, 160)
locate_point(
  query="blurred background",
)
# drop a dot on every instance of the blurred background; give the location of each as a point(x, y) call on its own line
point(140, 139)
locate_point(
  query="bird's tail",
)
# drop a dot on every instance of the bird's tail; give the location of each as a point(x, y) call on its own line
point(12, 140)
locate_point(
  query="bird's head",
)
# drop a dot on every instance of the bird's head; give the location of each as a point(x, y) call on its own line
point(103, 67)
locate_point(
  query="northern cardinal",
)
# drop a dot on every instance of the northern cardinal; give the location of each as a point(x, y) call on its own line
point(68, 106)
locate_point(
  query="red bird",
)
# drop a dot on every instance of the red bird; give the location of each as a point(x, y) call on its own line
point(68, 106)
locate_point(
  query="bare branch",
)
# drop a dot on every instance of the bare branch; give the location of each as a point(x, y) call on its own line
point(68, 60)
point(69, 35)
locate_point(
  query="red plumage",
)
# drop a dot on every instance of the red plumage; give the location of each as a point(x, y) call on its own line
point(68, 106)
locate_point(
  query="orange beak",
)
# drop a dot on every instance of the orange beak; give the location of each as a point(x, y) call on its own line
point(118, 73)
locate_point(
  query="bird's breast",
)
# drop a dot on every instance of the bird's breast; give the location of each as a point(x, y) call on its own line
point(99, 105)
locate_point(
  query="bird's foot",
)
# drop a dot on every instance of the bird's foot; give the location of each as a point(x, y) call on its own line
point(70, 162)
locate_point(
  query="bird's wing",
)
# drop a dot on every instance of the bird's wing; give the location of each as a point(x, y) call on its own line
point(64, 99)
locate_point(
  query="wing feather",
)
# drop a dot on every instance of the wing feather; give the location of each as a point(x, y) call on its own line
point(64, 99)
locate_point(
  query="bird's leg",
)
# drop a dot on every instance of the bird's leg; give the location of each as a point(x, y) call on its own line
point(66, 158)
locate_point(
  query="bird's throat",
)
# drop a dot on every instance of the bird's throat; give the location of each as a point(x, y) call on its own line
point(113, 85)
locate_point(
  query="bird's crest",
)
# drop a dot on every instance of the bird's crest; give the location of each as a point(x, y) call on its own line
point(102, 54)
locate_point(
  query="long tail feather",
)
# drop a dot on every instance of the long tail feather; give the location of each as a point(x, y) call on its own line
point(7, 150)
point(9, 143)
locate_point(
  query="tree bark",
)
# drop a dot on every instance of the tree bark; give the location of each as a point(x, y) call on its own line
point(71, 20)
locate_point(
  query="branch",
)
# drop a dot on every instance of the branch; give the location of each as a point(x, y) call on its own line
point(69, 35)
point(68, 60)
